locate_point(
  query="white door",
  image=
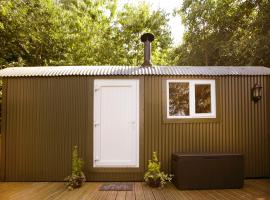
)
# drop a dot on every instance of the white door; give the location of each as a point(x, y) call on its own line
point(116, 123)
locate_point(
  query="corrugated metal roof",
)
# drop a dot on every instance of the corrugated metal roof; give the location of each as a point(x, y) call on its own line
point(131, 70)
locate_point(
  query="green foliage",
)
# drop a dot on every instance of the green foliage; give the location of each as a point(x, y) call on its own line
point(91, 32)
point(153, 176)
point(77, 162)
point(77, 177)
point(85, 32)
point(29, 31)
point(229, 32)
point(132, 22)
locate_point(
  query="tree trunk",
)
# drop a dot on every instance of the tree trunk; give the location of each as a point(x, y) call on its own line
point(205, 55)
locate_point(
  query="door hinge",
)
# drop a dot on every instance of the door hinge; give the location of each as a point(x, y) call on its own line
point(96, 124)
point(96, 88)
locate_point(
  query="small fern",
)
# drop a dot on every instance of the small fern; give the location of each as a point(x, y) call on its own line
point(153, 176)
point(77, 177)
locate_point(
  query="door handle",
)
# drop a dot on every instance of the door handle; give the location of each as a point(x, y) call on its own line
point(132, 123)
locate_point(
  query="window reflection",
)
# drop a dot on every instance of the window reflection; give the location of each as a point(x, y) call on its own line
point(178, 99)
point(202, 98)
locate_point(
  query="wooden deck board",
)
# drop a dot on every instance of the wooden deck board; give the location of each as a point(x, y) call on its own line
point(254, 189)
point(121, 195)
point(147, 191)
point(131, 194)
point(111, 195)
point(138, 191)
point(175, 193)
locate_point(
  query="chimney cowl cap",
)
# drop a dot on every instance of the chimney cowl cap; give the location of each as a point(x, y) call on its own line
point(147, 36)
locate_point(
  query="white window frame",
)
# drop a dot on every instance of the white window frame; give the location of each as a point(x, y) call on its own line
point(192, 84)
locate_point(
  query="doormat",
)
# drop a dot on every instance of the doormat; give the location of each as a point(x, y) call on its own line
point(116, 187)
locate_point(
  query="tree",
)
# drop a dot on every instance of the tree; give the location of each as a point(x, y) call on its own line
point(131, 23)
point(86, 28)
point(260, 40)
point(225, 32)
point(78, 32)
point(29, 32)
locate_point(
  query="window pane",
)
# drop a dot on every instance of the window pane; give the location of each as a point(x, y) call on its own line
point(178, 99)
point(203, 98)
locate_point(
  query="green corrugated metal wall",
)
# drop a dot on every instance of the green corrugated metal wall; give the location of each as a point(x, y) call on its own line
point(45, 116)
point(243, 125)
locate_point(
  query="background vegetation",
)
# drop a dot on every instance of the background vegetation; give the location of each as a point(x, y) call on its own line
point(225, 32)
point(91, 32)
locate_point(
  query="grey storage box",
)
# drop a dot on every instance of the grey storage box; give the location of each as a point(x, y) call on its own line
point(207, 170)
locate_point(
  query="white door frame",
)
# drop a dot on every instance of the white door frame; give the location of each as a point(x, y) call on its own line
point(134, 124)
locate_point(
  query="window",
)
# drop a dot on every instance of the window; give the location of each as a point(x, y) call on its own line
point(191, 99)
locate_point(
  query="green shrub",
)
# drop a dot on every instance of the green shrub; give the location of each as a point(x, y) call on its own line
point(77, 177)
point(153, 176)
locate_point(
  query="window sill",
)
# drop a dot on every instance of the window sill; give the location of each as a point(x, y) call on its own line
point(190, 120)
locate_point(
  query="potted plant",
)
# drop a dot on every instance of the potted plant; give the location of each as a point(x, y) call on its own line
point(153, 176)
point(77, 177)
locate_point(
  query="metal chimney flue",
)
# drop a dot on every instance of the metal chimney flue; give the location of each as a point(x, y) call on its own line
point(147, 38)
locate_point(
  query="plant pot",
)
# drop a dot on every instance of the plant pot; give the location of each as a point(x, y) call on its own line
point(154, 183)
point(74, 181)
point(78, 182)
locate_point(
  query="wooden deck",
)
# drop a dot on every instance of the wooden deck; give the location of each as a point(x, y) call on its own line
point(258, 189)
